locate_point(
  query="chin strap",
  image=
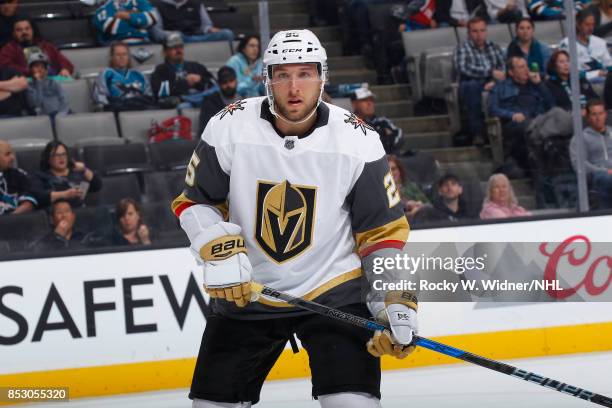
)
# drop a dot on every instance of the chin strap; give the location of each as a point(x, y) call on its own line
point(296, 122)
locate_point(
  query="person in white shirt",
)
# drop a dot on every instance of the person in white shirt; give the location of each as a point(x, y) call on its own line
point(594, 60)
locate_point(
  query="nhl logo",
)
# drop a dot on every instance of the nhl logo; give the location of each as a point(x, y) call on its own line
point(289, 144)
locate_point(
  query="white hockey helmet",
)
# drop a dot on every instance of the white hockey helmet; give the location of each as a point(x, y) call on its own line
point(293, 47)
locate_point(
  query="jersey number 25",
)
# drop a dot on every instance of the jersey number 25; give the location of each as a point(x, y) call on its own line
point(191, 170)
point(392, 193)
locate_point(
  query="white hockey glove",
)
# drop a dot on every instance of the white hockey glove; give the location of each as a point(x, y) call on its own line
point(222, 251)
point(399, 311)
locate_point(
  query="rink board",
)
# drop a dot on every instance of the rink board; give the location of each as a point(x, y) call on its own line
point(129, 322)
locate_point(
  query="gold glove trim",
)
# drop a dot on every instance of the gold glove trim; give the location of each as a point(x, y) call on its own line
point(402, 297)
point(223, 247)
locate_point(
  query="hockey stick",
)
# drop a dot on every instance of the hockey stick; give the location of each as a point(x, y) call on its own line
point(435, 346)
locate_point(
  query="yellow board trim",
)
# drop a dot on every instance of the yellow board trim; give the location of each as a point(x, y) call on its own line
point(313, 294)
point(171, 374)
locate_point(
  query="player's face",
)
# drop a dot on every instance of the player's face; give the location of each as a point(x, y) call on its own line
point(130, 220)
point(296, 89)
point(7, 158)
point(59, 159)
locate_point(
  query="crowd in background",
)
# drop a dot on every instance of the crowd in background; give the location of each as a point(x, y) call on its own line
point(525, 86)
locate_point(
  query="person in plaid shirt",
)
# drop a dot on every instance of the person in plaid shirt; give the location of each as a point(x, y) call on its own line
point(478, 64)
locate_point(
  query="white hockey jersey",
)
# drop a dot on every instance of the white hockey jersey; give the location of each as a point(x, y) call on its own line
point(310, 207)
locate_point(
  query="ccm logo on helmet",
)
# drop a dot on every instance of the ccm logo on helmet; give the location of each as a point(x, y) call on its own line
point(292, 50)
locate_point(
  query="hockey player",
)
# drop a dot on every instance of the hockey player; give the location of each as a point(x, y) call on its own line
point(296, 194)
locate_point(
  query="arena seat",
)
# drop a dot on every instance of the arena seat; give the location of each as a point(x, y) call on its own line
point(29, 127)
point(88, 61)
point(19, 230)
point(172, 154)
point(68, 32)
point(87, 128)
point(418, 42)
point(239, 22)
point(164, 185)
point(437, 69)
point(210, 54)
point(159, 216)
point(79, 95)
point(134, 125)
point(115, 188)
point(93, 219)
point(116, 158)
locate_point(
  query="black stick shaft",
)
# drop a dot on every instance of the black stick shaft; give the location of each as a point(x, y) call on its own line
point(437, 347)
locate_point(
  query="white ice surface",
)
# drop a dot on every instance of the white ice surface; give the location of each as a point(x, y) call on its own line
point(455, 386)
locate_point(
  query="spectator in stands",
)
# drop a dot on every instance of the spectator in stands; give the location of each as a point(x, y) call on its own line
point(15, 192)
point(448, 206)
point(415, 15)
point(478, 63)
point(62, 178)
point(603, 18)
point(8, 15)
point(128, 21)
point(411, 195)
point(553, 9)
point(516, 101)
point(506, 11)
point(190, 18)
point(525, 45)
point(500, 201)
point(456, 13)
point(597, 139)
point(131, 230)
point(362, 102)
point(119, 87)
point(179, 78)
point(63, 234)
point(228, 93)
point(12, 93)
point(45, 96)
point(248, 66)
point(14, 54)
point(558, 82)
point(594, 60)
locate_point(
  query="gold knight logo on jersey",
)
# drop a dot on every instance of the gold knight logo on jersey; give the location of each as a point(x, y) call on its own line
point(285, 217)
